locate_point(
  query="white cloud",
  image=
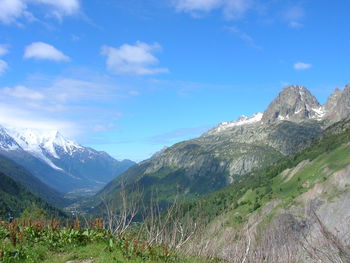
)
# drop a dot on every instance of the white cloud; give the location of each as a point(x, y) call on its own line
point(231, 8)
point(3, 67)
point(40, 50)
point(302, 66)
point(133, 59)
point(236, 8)
point(15, 117)
point(12, 10)
point(3, 50)
point(24, 93)
point(62, 7)
point(68, 7)
point(73, 105)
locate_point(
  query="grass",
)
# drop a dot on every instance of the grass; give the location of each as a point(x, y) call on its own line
point(252, 192)
point(98, 254)
point(315, 172)
point(50, 241)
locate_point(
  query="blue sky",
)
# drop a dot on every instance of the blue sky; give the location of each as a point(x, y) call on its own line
point(132, 76)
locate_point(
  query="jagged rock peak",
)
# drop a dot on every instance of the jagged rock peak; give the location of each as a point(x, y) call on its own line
point(294, 103)
point(333, 99)
point(338, 104)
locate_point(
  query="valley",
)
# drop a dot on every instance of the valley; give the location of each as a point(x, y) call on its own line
point(289, 163)
point(175, 131)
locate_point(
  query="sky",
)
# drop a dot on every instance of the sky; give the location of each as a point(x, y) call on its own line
point(130, 77)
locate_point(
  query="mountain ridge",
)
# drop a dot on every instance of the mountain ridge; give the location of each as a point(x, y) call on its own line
point(223, 154)
point(59, 162)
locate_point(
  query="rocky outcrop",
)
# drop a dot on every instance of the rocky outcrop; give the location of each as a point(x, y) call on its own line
point(294, 103)
point(338, 105)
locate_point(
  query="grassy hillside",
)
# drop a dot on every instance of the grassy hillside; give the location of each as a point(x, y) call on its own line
point(278, 192)
point(329, 153)
point(30, 182)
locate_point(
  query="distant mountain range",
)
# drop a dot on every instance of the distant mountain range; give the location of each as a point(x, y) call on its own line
point(232, 149)
point(59, 162)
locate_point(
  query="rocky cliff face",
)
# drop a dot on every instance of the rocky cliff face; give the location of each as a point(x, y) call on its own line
point(294, 103)
point(232, 149)
point(338, 105)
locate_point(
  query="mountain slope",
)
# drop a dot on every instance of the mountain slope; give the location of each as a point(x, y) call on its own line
point(30, 182)
point(14, 198)
point(230, 150)
point(59, 162)
point(284, 196)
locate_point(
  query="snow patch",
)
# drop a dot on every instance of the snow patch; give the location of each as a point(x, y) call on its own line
point(320, 112)
point(242, 120)
point(282, 118)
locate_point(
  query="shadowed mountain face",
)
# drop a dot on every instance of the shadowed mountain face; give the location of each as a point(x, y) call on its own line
point(14, 197)
point(31, 183)
point(232, 149)
point(58, 162)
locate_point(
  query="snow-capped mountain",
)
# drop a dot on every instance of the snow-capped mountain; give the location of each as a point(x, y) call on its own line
point(43, 144)
point(294, 104)
point(58, 161)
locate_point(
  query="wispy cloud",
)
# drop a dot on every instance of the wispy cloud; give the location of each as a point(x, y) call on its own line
point(60, 8)
point(3, 50)
point(79, 105)
point(3, 67)
point(243, 36)
point(44, 51)
point(294, 24)
point(231, 8)
point(136, 59)
point(302, 66)
point(3, 63)
point(23, 93)
point(294, 16)
point(13, 10)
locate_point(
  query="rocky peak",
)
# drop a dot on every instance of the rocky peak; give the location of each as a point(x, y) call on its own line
point(338, 104)
point(333, 99)
point(294, 103)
